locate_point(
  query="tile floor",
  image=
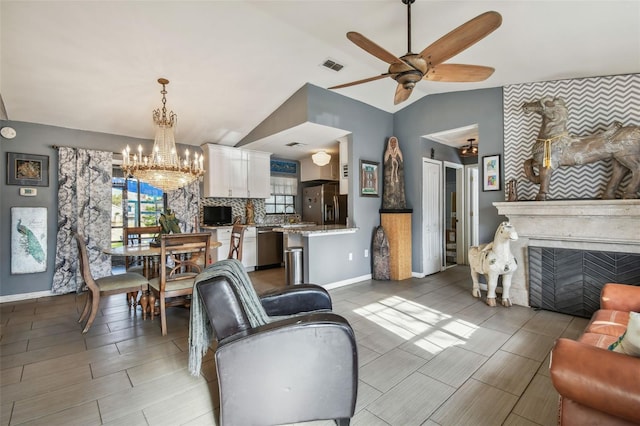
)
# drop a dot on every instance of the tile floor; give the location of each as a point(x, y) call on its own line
point(430, 354)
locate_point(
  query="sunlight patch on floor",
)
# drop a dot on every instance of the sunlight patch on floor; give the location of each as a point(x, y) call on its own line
point(429, 329)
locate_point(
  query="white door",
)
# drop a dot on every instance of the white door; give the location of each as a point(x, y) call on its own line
point(431, 216)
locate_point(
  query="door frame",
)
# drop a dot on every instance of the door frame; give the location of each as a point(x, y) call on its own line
point(460, 213)
point(472, 192)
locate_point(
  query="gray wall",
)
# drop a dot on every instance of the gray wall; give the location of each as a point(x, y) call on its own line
point(436, 113)
point(370, 129)
point(39, 139)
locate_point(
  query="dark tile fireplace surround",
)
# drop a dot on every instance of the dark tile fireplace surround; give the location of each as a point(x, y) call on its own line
point(570, 281)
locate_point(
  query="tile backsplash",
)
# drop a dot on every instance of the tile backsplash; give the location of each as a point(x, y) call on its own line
point(239, 209)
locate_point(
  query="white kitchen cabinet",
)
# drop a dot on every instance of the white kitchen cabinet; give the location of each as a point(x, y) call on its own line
point(258, 174)
point(236, 173)
point(221, 174)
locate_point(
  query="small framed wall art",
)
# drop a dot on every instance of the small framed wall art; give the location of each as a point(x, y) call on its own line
point(369, 178)
point(27, 169)
point(491, 173)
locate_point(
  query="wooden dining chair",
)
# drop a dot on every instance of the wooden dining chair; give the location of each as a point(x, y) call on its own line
point(96, 288)
point(235, 243)
point(182, 258)
point(145, 265)
point(138, 235)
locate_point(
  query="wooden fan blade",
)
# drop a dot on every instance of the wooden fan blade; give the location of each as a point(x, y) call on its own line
point(401, 95)
point(452, 73)
point(461, 38)
point(372, 48)
point(364, 80)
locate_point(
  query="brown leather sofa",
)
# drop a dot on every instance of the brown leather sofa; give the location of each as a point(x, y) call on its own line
point(598, 386)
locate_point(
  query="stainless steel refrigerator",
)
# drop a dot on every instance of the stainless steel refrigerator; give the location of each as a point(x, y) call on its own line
point(324, 205)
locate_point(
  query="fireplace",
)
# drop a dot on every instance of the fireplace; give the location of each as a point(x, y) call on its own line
point(589, 226)
point(570, 281)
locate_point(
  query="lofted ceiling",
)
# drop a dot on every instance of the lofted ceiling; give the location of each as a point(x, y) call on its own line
point(94, 66)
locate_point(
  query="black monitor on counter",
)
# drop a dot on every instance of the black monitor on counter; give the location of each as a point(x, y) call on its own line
point(216, 215)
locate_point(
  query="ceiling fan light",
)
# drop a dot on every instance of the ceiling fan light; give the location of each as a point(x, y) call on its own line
point(321, 158)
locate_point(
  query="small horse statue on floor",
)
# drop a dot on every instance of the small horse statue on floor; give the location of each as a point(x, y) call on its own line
point(492, 260)
point(556, 147)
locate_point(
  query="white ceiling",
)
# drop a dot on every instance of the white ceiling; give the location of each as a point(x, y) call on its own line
point(94, 65)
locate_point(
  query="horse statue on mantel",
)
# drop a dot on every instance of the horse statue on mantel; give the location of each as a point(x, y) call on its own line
point(492, 260)
point(556, 147)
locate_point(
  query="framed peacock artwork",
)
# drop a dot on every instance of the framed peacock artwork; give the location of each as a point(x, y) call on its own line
point(28, 240)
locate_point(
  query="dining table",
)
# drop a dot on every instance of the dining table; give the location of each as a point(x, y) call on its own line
point(149, 251)
point(144, 250)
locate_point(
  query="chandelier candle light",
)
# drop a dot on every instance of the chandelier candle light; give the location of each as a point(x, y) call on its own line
point(163, 168)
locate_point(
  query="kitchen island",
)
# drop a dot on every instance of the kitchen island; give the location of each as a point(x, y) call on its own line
point(315, 230)
point(320, 243)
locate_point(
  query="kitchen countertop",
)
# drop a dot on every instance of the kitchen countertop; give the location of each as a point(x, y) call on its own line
point(224, 226)
point(316, 230)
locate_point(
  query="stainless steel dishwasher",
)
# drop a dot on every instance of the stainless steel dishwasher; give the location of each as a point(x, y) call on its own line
point(269, 247)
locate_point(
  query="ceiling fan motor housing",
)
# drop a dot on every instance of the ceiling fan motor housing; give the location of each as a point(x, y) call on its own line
point(410, 71)
point(408, 79)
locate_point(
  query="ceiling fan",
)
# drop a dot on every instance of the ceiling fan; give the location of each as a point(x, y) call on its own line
point(410, 68)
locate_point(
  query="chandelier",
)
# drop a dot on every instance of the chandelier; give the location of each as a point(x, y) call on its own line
point(471, 150)
point(321, 158)
point(163, 169)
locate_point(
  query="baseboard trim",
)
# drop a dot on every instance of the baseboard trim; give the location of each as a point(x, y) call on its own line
point(26, 296)
point(343, 283)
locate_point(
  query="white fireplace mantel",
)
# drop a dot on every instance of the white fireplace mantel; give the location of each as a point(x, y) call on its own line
point(598, 225)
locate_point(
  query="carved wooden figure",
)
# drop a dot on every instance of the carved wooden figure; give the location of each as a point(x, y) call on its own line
point(555, 147)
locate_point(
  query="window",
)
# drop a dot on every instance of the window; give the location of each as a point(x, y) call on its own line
point(282, 200)
point(134, 203)
point(280, 204)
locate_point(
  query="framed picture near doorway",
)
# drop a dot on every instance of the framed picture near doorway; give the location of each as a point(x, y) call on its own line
point(369, 178)
point(491, 172)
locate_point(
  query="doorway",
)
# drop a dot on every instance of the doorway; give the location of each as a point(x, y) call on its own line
point(453, 221)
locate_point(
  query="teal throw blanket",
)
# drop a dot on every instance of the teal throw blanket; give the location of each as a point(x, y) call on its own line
point(200, 331)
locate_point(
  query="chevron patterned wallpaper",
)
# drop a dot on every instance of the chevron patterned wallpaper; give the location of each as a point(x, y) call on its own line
point(593, 104)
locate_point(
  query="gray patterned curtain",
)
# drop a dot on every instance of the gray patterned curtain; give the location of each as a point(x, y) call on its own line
point(84, 203)
point(184, 203)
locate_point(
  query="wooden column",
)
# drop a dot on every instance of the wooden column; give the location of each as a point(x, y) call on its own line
point(397, 227)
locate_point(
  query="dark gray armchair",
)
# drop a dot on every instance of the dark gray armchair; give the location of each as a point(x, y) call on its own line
point(296, 369)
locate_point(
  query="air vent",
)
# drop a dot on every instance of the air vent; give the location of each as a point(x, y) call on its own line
point(296, 144)
point(332, 65)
